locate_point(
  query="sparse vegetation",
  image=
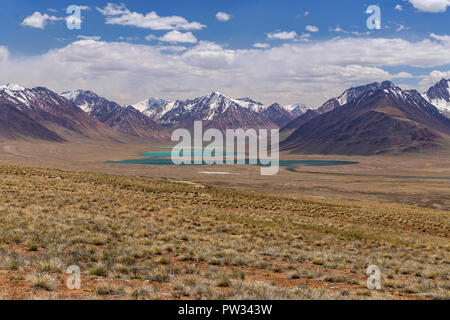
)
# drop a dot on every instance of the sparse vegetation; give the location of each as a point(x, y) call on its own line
point(148, 239)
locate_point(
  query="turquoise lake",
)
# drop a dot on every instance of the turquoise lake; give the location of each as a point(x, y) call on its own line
point(163, 158)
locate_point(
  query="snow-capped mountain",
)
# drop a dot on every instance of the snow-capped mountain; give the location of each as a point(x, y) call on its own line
point(215, 105)
point(216, 109)
point(381, 120)
point(296, 109)
point(84, 99)
point(250, 104)
point(125, 120)
point(42, 107)
point(347, 96)
point(351, 94)
point(149, 104)
point(439, 96)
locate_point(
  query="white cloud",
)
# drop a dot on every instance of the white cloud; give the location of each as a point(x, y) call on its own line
point(127, 38)
point(312, 28)
point(431, 5)
point(304, 37)
point(39, 20)
point(223, 16)
point(117, 70)
point(399, 7)
point(282, 35)
point(113, 9)
point(433, 77)
point(261, 45)
point(172, 48)
point(151, 37)
point(121, 15)
point(176, 36)
point(4, 53)
point(305, 14)
point(400, 28)
point(337, 29)
point(360, 34)
point(96, 38)
point(443, 38)
point(403, 75)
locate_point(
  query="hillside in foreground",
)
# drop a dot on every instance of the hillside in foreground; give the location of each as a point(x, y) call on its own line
point(152, 239)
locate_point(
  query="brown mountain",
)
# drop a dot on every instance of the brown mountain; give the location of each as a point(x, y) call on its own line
point(48, 109)
point(126, 120)
point(378, 121)
point(289, 128)
point(278, 115)
point(333, 103)
point(15, 124)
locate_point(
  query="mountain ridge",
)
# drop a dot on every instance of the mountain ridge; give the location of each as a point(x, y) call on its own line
point(383, 120)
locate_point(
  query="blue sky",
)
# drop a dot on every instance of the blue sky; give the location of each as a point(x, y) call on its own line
point(286, 51)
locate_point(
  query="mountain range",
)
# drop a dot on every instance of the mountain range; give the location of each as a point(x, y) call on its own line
point(219, 111)
point(372, 119)
point(126, 120)
point(43, 114)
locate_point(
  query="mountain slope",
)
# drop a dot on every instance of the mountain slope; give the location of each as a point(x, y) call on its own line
point(54, 112)
point(347, 96)
point(439, 96)
point(293, 125)
point(278, 115)
point(126, 120)
point(15, 124)
point(379, 121)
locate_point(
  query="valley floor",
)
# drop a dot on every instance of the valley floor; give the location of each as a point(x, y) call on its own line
point(419, 180)
point(183, 235)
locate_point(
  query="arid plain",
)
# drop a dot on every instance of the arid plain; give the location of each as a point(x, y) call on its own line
point(167, 232)
point(416, 179)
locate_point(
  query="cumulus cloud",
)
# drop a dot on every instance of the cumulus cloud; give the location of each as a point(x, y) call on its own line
point(399, 7)
point(223, 16)
point(38, 20)
point(433, 77)
point(312, 28)
point(431, 5)
point(282, 35)
point(128, 72)
point(176, 36)
point(119, 14)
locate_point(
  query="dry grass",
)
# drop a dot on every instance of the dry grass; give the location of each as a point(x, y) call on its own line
point(148, 239)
